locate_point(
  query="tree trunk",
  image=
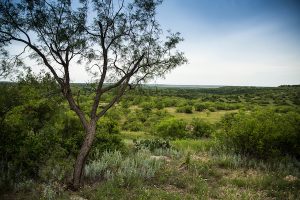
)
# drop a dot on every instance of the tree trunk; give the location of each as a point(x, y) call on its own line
point(82, 156)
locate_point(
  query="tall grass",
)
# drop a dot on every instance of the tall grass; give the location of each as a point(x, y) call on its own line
point(128, 170)
point(194, 145)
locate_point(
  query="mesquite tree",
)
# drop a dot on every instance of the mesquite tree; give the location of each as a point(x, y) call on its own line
point(119, 42)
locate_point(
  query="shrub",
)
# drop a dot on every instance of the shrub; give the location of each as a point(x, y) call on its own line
point(27, 140)
point(133, 125)
point(108, 125)
point(262, 134)
point(185, 109)
point(172, 128)
point(169, 102)
point(153, 119)
point(226, 106)
point(159, 104)
point(140, 166)
point(152, 144)
point(96, 168)
point(170, 152)
point(25, 186)
point(108, 142)
point(129, 170)
point(212, 109)
point(108, 136)
point(56, 168)
point(49, 192)
point(147, 106)
point(71, 131)
point(283, 109)
point(201, 128)
point(135, 120)
point(200, 107)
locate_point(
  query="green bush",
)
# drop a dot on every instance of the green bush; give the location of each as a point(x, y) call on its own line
point(57, 168)
point(135, 121)
point(226, 106)
point(159, 104)
point(185, 109)
point(262, 134)
point(152, 144)
point(108, 125)
point(27, 134)
point(107, 142)
point(172, 128)
point(212, 109)
point(169, 102)
point(201, 128)
point(129, 171)
point(133, 125)
point(107, 136)
point(38, 133)
point(153, 119)
point(147, 106)
point(70, 131)
point(200, 107)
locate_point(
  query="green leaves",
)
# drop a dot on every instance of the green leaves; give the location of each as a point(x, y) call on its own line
point(172, 128)
point(262, 134)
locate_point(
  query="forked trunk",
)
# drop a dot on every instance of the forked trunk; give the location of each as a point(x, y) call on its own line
point(82, 156)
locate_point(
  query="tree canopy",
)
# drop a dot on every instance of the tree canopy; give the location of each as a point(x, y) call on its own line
point(118, 42)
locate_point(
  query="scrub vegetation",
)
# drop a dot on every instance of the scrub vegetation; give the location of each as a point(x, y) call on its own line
point(116, 137)
point(236, 143)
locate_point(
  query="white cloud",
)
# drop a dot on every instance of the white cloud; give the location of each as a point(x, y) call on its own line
point(245, 54)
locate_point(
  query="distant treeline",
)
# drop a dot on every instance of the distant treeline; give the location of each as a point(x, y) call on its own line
point(192, 91)
point(289, 86)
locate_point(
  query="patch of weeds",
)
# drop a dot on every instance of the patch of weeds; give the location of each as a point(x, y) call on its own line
point(201, 145)
point(107, 190)
point(95, 169)
point(274, 186)
point(199, 188)
point(151, 144)
point(24, 186)
point(166, 193)
point(128, 170)
point(185, 180)
point(229, 193)
point(205, 170)
point(172, 153)
point(228, 161)
point(49, 192)
point(112, 189)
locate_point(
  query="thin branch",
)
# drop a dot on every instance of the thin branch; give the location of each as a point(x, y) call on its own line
point(114, 100)
point(132, 71)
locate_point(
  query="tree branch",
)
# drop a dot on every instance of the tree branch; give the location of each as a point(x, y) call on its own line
point(114, 100)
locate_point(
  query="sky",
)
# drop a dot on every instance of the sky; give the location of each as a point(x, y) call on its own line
point(230, 42)
point(235, 42)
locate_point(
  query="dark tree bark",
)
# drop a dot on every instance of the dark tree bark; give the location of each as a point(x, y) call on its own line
point(82, 156)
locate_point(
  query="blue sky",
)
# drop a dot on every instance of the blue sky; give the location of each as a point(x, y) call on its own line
point(230, 42)
point(235, 42)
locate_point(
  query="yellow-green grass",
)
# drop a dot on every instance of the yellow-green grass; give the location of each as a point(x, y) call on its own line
point(193, 145)
point(134, 107)
point(199, 174)
point(211, 117)
point(129, 136)
point(204, 176)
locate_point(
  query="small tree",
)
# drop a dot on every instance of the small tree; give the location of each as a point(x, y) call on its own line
point(117, 41)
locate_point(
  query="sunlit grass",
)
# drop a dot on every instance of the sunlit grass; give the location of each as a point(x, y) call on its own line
point(211, 117)
point(129, 136)
point(199, 145)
